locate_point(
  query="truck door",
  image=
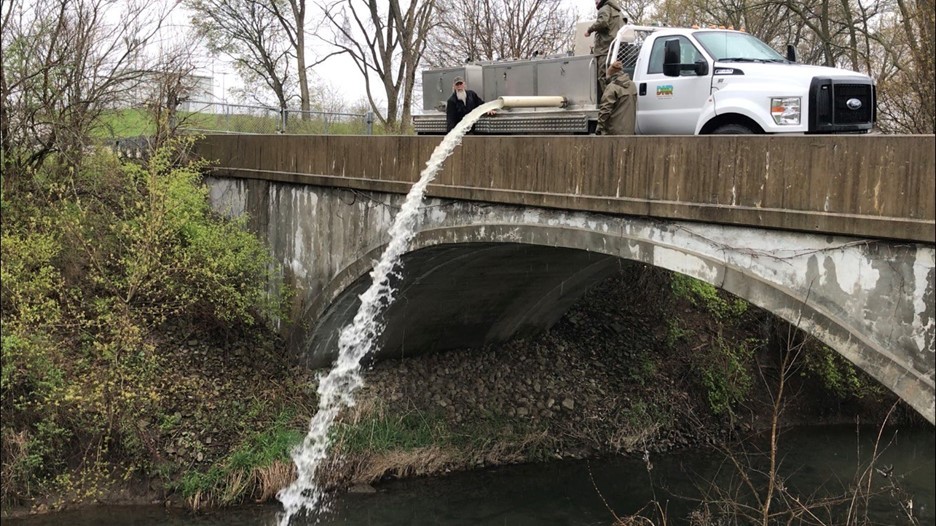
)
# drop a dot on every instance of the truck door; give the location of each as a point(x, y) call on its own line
point(671, 105)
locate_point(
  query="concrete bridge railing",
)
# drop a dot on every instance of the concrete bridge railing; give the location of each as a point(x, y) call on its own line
point(857, 185)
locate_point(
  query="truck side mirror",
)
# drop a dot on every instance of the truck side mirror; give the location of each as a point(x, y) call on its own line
point(791, 53)
point(701, 68)
point(671, 54)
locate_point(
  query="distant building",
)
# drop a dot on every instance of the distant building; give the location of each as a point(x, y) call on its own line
point(196, 88)
point(202, 91)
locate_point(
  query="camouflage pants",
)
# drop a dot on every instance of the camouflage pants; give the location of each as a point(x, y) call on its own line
point(602, 75)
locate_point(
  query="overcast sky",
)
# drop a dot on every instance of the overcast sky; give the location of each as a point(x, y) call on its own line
point(339, 71)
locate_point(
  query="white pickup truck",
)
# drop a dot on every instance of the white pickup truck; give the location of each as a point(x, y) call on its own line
point(689, 81)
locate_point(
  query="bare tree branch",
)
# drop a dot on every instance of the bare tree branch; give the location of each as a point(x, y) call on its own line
point(64, 64)
point(498, 29)
point(384, 39)
point(253, 37)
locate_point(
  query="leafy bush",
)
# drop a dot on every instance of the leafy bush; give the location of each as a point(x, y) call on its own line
point(838, 375)
point(95, 258)
point(707, 296)
point(676, 332)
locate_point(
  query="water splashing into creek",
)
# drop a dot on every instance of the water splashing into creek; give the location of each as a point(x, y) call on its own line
point(336, 389)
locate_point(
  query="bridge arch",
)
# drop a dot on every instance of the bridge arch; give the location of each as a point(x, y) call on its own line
point(798, 277)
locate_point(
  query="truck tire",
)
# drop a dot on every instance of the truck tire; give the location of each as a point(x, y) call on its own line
point(732, 129)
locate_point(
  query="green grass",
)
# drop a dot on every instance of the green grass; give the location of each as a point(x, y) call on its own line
point(259, 450)
point(229, 123)
point(383, 432)
point(133, 122)
point(129, 122)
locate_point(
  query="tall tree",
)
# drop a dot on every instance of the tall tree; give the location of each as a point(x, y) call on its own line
point(498, 29)
point(293, 23)
point(385, 39)
point(252, 36)
point(64, 63)
point(914, 95)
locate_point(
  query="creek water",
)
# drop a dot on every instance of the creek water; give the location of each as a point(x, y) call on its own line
point(336, 389)
point(815, 460)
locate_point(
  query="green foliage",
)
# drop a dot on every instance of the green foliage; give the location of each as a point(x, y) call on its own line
point(31, 367)
point(95, 258)
point(838, 375)
point(382, 430)
point(29, 280)
point(676, 332)
point(706, 296)
point(725, 373)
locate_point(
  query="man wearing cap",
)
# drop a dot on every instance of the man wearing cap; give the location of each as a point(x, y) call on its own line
point(610, 19)
point(462, 101)
point(617, 113)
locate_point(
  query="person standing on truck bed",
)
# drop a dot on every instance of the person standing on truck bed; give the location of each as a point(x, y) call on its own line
point(462, 101)
point(605, 28)
point(617, 113)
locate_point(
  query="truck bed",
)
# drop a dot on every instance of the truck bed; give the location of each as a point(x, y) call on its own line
point(555, 121)
point(572, 77)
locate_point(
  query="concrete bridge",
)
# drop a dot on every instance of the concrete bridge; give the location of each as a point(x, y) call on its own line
point(833, 234)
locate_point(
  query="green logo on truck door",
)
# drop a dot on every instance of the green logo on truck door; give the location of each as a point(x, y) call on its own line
point(664, 91)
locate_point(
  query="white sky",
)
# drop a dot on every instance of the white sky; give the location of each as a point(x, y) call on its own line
point(339, 71)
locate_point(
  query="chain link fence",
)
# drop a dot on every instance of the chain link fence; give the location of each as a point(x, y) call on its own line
point(222, 117)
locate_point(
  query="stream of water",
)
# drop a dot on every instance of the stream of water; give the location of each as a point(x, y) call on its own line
point(336, 389)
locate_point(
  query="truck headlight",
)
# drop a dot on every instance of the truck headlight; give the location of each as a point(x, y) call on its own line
point(785, 110)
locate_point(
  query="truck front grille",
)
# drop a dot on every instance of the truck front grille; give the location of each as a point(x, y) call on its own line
point(842, 113)
point(837, 106)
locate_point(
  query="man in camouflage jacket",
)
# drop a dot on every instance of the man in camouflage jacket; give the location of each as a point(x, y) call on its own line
point(617, 113)
point(610, 19)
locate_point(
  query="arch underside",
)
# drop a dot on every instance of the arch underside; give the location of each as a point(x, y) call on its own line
point(464, 286)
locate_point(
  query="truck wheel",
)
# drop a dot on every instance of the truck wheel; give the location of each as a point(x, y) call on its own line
point(732, 129)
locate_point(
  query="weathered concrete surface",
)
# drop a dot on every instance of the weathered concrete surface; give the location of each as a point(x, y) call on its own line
point(858, 185)
point(481, 273)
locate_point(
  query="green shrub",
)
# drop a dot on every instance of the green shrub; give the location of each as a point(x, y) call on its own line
point(676, 332)
point(643, 370)
point(725, 373)
point(837, 375)
point(95, 258)
point(706, 296)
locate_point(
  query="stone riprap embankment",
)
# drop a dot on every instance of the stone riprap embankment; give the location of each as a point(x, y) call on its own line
point(598, 382)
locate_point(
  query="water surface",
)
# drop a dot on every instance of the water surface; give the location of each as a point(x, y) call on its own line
point(562, 493)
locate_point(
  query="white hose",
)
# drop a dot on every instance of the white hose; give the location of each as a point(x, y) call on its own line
point(534, 102)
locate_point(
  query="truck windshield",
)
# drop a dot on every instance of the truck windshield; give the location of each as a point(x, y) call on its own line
point(729, 46)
